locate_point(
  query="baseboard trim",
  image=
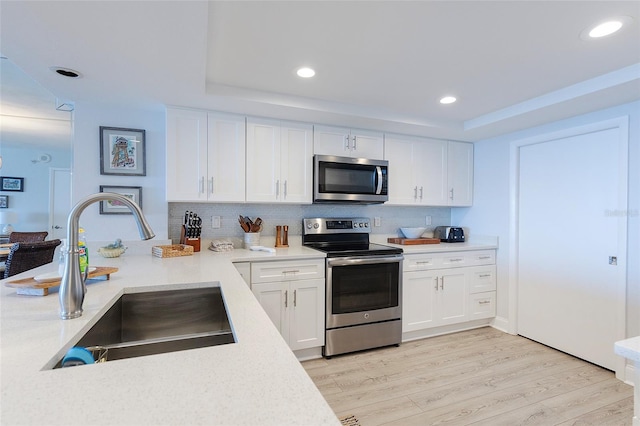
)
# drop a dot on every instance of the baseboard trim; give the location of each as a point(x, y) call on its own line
point(501, 323)
point(446, 329)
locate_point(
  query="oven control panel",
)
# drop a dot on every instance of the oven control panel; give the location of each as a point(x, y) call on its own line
point(336, 225)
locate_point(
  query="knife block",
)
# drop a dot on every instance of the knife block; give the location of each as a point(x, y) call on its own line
point(193, 242)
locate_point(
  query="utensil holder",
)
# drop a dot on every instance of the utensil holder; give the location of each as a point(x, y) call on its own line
point(251, 239)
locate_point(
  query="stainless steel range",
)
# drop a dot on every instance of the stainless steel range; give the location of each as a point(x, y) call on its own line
point(364, 285)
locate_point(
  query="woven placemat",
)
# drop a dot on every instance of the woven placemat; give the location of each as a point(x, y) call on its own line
point(350, 421)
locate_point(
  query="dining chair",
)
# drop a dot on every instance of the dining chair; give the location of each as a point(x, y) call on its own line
point(27, 237)
point(24, 256)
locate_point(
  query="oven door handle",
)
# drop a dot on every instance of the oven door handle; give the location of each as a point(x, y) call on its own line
point(347, 261)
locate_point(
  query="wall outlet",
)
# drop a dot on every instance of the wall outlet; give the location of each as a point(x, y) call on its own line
point(427, 220)
point(215, 222)
point(376, 221)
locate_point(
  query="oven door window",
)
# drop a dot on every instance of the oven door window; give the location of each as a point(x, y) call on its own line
point(357, 288)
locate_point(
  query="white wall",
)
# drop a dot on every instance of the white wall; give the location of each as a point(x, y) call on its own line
point(31, 205)
point(490, 212)
point(88, 117)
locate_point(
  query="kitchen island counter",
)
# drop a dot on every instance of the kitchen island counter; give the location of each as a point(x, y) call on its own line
point(255, 381)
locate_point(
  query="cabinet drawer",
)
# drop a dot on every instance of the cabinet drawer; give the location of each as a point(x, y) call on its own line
point(421, 262)
point(455, 259)
point(482, 278)
point(482, 305)
point(482, 257)
point(264, 272)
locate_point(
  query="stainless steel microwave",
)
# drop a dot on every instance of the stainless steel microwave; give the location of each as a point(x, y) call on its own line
point(349, 180)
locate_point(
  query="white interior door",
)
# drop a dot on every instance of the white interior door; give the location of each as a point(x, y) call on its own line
point(59, 202)
point(569, 295)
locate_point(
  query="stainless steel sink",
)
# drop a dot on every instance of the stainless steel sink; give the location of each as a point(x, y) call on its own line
point(148, 323)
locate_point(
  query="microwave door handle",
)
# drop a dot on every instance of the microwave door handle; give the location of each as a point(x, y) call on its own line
point(379, 180)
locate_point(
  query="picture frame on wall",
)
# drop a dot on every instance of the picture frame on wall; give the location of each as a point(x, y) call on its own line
point(122, 151)
point(11, 184)
point(4, 201)
point(134, 193)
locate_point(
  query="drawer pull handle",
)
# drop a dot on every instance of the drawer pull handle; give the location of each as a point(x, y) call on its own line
point(484, 302)
point(286, 298)
point(292, 271)
point(484, 275)
point(456, 260)
point(424, 262)
point(295, 298)
point(484, 257)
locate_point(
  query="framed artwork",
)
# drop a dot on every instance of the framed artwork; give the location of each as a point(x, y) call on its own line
point(122, 151)
point(4, 201)
point(134, 193)
point(11, 184)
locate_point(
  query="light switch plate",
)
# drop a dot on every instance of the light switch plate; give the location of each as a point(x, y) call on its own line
point(215, 222)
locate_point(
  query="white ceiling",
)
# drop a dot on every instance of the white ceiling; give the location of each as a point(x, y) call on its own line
point(381, 65)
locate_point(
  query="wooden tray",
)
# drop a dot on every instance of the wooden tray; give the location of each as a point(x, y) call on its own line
point(413, 241)
point(31, 287)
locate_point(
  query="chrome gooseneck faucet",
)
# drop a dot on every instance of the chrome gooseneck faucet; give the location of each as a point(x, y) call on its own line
point(72, 286)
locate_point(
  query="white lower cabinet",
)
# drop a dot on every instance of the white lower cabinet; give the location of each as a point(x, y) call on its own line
point(292, 293)
point(436, 292)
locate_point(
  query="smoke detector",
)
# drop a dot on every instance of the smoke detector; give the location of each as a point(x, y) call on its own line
point(42, 158)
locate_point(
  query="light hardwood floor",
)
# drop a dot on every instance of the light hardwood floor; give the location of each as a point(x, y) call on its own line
point(479, 377)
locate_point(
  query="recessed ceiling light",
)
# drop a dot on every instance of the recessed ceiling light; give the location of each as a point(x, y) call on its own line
point(448, 100)
point(66, 72)
point(605, 28)
point(305, 72)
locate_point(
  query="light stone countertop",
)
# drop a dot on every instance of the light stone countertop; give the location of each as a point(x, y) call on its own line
point(629, 348)
point(255, 381)
point(475, 243)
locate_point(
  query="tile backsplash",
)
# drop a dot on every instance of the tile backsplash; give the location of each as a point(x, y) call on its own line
point(391, 217)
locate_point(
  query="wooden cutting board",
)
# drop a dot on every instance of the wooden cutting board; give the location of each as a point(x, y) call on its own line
point(413, 241)
point(31, 287)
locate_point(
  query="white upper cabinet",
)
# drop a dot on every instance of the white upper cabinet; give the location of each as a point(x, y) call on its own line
point(429, 172)
point(205, 156)
point(345, 142)
point(225, 157)
point(460, 173)
point(417, 170)
point(186, 155)
point(279, 161)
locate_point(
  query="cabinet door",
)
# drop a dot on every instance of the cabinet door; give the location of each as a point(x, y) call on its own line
point(263, 160)
point(430, 165)
point(274, 299)
point(367, 144)
point(331, 141)
point(418, 300)
point(452, 296)
point(226, 156)
point(460, 173)
point(296, 162)
point(403, 187)
point(186, 155)
point(306, 314)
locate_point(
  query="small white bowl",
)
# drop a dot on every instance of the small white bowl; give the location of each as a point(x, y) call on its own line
point(413, 232)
